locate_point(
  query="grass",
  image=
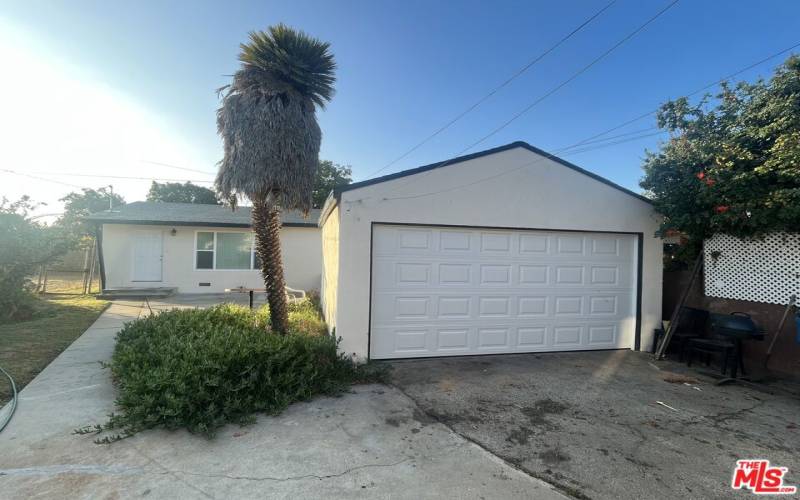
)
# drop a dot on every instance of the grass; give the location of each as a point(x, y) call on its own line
point(27, 347)
point(67, 282)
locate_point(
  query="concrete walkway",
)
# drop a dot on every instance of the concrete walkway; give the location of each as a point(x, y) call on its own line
point(371, 443)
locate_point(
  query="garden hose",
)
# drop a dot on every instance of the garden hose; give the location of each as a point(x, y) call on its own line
point(13, 400)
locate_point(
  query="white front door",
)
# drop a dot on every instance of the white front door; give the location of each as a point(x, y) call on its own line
point(147, 256)
point(447, 291)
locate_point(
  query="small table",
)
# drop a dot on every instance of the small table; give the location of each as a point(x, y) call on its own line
point(250, 291)
point(292, 294)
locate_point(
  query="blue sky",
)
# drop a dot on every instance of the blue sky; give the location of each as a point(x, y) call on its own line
point(405, 69)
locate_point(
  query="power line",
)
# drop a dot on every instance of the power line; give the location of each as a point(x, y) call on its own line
point(101, 176)
point(571, 78)
point(520, 167)
point(564, 83)
point(42, 178)
point(633, 132)
point(575, 150)
point(175, 166)
point(486, 97)
point(572, 149)
point(701, 89)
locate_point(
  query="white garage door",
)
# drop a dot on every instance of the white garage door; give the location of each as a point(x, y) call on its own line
point(444, 291)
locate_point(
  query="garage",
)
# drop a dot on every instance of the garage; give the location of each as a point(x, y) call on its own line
point(508, 250)
point(444, 291)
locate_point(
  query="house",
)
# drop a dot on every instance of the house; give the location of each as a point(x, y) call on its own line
point(508, 250)
point(198, 248)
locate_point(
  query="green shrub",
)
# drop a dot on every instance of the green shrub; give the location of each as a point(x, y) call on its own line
point(24, 245)
point(202, 368)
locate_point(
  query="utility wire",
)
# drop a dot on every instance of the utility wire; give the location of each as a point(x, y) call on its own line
point(633, 132)
point(101, 176)
point(41, 178)
point(572, 149)
point(517, 168)
point(701, 89)
point(505, 83)
point(571, 78)
point(175, 166)
point(562, 84)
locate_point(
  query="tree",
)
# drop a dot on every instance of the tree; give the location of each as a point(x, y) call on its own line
point(78, 205)
point(175, 192)
point(732, 163)
point(24, 245)
point(271, 139)
point(329, 175)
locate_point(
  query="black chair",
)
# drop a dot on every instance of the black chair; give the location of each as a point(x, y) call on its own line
point(692, 324)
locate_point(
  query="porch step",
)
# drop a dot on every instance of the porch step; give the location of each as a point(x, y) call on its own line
point(137, 293)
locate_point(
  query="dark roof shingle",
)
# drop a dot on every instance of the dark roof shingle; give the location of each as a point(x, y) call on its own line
point(191, 214)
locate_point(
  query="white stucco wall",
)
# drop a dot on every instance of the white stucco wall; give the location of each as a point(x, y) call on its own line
point(301, 251)
point(527, 191)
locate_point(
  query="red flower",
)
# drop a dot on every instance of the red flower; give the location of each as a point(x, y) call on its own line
point(721, 209)
point(701, 175)
point(710, 182)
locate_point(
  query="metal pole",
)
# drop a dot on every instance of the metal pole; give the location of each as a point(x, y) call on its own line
point(44, 285)
point(92, 265)
point(777, 334)
point(111, 198)
point(39, 281)
point(251, 300)
point(85, 271)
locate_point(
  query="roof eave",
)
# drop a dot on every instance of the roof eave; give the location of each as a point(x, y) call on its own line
point(337, 193)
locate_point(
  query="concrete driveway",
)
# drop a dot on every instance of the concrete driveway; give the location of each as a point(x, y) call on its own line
point(371, 443)
point(589, 422)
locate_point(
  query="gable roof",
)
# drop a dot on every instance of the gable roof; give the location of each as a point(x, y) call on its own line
point(192, 214)
point(446, 163)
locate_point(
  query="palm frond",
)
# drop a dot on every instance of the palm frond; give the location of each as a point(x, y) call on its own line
point(293, 58)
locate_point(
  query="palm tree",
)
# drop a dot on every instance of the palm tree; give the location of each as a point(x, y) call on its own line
point(271, 138)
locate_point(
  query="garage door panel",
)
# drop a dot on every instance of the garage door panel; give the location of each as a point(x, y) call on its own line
point(442, 291)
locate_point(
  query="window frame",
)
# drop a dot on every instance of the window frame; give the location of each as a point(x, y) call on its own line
point(213, 250)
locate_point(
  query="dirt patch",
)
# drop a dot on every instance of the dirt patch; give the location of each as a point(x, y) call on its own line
point(541, 409)
point(521, 435)
point(447, 418)
point(395, 421)
point(422, 417)
point(447, 385)
point(553, 456)
point(677, 378)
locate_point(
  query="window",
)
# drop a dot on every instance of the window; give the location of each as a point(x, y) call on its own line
point(225, 251)
point(205, 251)
point(233, 250)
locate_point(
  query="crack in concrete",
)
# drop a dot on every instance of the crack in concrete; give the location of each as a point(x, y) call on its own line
point(290, 478)
point(561, 488)
point(48, 470)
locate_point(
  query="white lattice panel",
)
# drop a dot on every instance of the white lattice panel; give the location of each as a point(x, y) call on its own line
point(760, 270)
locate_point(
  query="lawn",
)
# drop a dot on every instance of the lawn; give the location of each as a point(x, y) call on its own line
point(27, 347)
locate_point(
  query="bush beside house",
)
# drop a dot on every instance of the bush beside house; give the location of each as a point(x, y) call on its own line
point(202, 368)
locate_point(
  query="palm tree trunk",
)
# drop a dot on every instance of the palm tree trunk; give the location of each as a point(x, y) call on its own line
point(267, 228)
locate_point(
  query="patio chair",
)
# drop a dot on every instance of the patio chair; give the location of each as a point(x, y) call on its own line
point(293, 295)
